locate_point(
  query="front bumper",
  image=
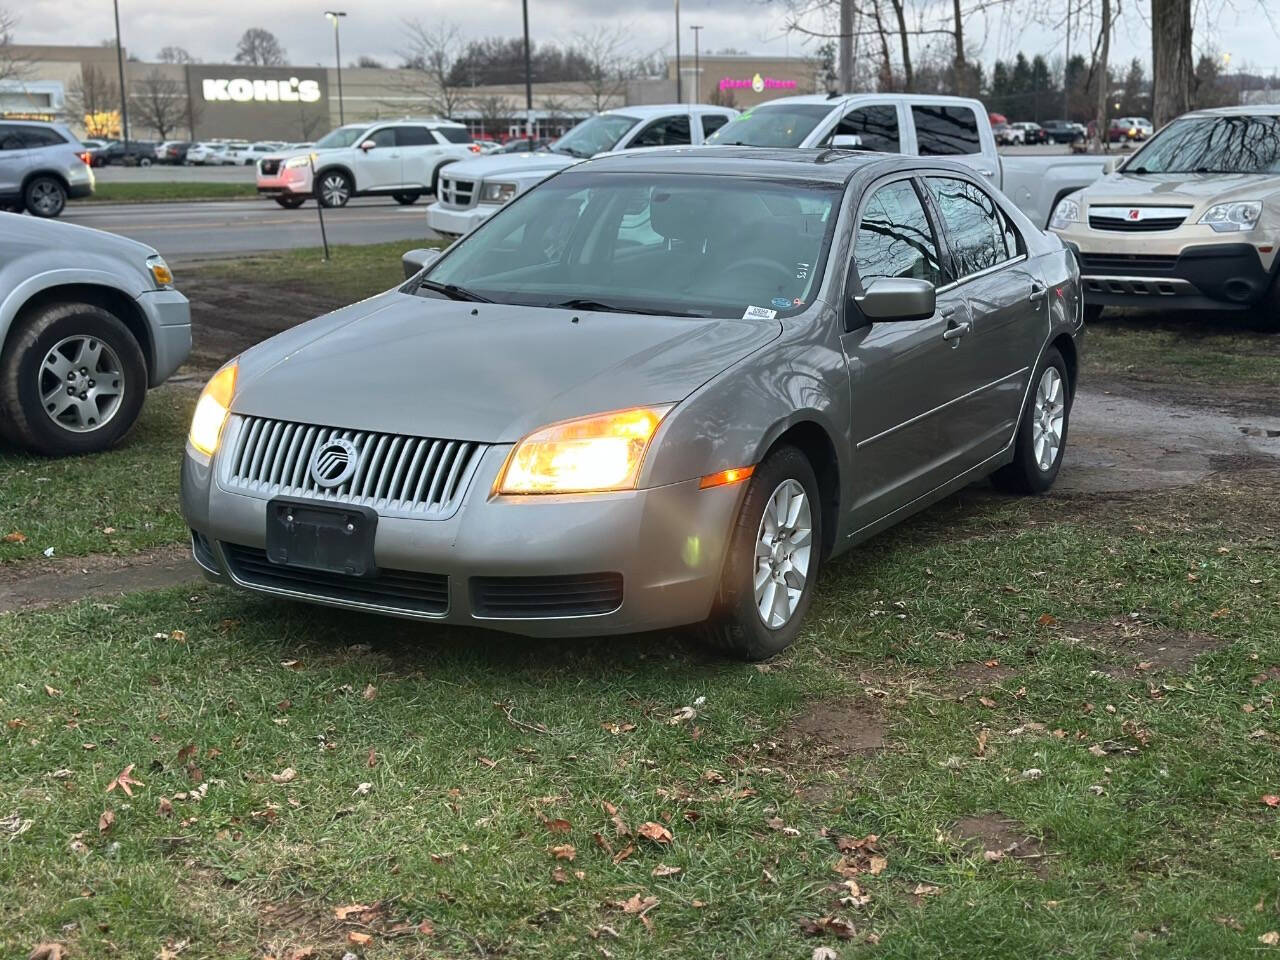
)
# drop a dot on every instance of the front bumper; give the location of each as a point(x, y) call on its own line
point(666, 543)
point(457, 223)
point(169, 316)
point(288, 181)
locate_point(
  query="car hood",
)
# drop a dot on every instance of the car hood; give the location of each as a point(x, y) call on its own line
point(511, 164)
point(1189, 189)
point(57, 234)
point(400, 363)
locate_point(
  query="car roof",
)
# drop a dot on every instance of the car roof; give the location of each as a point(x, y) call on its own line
point(809, 163)
point(837, 99)
point(643, 112)
point(1242, 110)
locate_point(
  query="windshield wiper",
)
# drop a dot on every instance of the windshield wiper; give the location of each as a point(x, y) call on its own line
point(599, 306)
point(453, 291)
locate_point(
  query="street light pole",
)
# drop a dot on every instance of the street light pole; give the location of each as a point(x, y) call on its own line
point(337, 56)
point(679, 88)
point(697, 66)
point(528, 75)
point(124, 91)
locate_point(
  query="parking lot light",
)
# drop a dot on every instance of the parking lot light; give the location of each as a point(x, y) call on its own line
point(334, 15)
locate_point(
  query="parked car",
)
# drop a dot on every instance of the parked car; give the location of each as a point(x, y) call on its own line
point(661, 389)
point(135, 153)
point(484, 145)
point(399, 158)
point(41, 166)
point(173, 151)
point(526, 145)
point(210, 155)
point(1191, 220)
point(88, 321)
point(471, 191)
point(935, 126)
point(93, 144)
point(1129, 128)
point(250, 153)
point(1006, 135)
point(1063, 131)
point(1032, 133)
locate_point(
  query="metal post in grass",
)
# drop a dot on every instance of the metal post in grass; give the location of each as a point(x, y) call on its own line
point(324, 238)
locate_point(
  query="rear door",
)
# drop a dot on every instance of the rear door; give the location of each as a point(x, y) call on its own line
point(418, 153)
point(956, 131)
point(13, 159)
point(378, 168)
point(672, 130)
point(1008, 311)
point(904, 375)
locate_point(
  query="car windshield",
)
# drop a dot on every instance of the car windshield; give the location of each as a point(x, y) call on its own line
point(595, 135)
point(772, 125)
point(342, 137)
point(1236, 144)
point(674, 244)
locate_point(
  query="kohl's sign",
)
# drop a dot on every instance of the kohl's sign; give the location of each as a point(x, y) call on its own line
point(757, 83)
point(243, 90)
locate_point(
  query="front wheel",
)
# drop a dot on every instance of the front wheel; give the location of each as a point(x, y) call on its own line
point(1042, 432)
point(45, 197)
point(290, 203)
point(144, 162)
point(334, 190)
point(772, 564)
point(406, 199)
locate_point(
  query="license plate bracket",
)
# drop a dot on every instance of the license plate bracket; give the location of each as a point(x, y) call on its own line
point(328, 539)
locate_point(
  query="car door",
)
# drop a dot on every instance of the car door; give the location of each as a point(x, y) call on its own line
point(378, 166)
point(13, 159)
point(876, 125)
point(1008, 308)
point(668, 131)
point(904, 375)
point(711, 122)
point(953, 130)
point(419, 153)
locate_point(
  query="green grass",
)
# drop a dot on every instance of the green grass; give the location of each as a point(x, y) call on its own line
point(1212, 354)
point(170, 190)
point(1159, 849)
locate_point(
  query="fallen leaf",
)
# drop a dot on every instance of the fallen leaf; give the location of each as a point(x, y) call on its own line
point(179, 635)
point(824, 953)
point(564, 851)
point(291, 664)
point(559, 826)
point(655, 832)
point(164, 808)
point(987, 702)
point(47, 951)
point(926, 890)
point(357, 938)
point(186, 753)
point(362, 790)
point(106, 821)
point(351, 909)
point(370, 692)
point(835, 926)
point(559, 876)
point(625, 852)
point(1047, 620)
point(52, 691)
point(876, 865)
point(1270, 938)
point(637, 904)
point(662, 870)
point(124, 780)
point(17, 536)
point(1219, 613)
point(287, 775)
point(425, 927)
point(1271, 800)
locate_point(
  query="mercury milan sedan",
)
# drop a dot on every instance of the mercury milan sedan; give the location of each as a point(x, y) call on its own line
point(658, 389)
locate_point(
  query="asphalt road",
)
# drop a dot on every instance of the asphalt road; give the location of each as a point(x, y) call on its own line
point(220, 228)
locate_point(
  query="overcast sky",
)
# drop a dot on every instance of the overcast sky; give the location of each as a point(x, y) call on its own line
point(209, 28)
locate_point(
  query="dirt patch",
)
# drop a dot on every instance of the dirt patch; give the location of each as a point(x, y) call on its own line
point(291, 925)
point(967, 676)
point(998, 837)
point(36, 584)
point(836, 728)
point(1148, 648)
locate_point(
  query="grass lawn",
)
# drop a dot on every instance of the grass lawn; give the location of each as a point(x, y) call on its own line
point(171, 190)
point(1016, 671)
point(1139, 347)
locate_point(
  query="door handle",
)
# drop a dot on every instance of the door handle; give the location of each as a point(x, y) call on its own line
point(1037, 292)
point(957, 331)
point(987, 173)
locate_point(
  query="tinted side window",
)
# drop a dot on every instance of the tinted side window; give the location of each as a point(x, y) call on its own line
point(669, 131)
point(41, 137)
point(386, 137)
point(9, 138)
point(711, 122)
point(945, 131)
point(895, 238)
point(876, 125)
point(980, 234)
point(414, 137)
point(453, 134)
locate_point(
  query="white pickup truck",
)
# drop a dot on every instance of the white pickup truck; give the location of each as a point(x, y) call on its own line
point(934, 126)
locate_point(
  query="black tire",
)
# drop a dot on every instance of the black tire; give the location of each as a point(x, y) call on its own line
point(31, 343)
point(333, 188)
point(1092, 312)
point(406, 199)
point(1266, 315)
point(145, 161)
point(736, 626)
point(44, 196)
point(290, 203)
point(1025, 475)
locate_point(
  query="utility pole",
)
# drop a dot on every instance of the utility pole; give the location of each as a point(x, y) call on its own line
point(697, 64)
point(528, 75)
point(846, 46)
point(124, 91)
point(679, 88)
point(1066, 72)
point(337, 55)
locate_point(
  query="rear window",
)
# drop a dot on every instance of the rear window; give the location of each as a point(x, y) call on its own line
point(413, 137)
point(32, 137)
point(945, 131)
point(454, 134)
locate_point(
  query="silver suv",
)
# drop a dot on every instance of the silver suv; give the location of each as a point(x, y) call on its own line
point(41, 166)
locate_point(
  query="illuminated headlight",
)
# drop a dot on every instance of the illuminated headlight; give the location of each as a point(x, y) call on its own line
point(497, 192)
point(1065, 213)
point(593, 454)
point(294, 162)
point(1232, 217)
point(160, 272)
point(212, 409)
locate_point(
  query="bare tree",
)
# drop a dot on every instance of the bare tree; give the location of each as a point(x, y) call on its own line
point(494, 112)
point(260, 48)
point(1172, 71)
point(94, 98)
point(607, 63)
point(367, 62)
point(160, 102)
point(172, 54)
point(12, 65)
point(427, 68)
point(1102, 72)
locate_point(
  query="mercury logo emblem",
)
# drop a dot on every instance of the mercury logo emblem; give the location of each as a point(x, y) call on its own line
point(334, 462)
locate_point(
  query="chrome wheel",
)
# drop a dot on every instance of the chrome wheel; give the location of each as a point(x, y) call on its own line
point(1049, 415)
point(334, 190)
point(81, 384)
point(782, 553)
point(45, 198)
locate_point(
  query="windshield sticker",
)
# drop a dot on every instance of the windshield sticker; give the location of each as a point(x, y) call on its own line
point(759, 313)
point(782, 303)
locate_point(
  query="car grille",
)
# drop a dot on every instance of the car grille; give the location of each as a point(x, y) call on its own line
point(457, 193)
point(415, 477)
point(406, 591)
point(1149, 225)
point(1126, 263)
point(269, 167)
point(529, 598)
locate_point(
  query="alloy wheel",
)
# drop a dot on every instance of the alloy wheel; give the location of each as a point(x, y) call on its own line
point(1048, 416)
point(45, 198)
point(334, 190)
point(783, 543)
point(81, 384)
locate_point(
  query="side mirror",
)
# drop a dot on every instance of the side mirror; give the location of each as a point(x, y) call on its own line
point(846, 141)
point(415, 261)
point(367, 146)
point(1110, 165)
point(897, 299)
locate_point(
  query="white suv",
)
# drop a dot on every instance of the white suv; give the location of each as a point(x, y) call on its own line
point(400, 158)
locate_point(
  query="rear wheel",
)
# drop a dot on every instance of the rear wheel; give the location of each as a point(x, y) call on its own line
point(44, 197)
point(772, 564)
point(1042, 433)
point(406, 199)
point(290, 203)
point(334, 189)
point(72, 380)
point(144, 162)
